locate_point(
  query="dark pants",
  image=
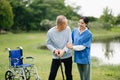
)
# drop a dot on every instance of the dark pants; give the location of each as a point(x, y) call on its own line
point(55, 65)
point(84, 71)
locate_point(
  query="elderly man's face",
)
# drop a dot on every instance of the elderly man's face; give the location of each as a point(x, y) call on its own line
point(63, 25)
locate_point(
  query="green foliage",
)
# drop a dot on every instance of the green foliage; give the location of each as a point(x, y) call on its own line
point(118, 19)
point(107, 16)
point(97, 25)
point(6, 15)
point(71, 14)
point(107, 26)
point(73, 24)
point(57, 7)
point(46, 24)
point(91, 19)
point(23, 16)
point(107, 19)
point(29, 14)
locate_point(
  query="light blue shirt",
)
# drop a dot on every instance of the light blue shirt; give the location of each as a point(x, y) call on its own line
point(84, 38)
point(58, 40)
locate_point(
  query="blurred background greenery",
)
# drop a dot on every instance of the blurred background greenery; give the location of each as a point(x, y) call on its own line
point(40, 15)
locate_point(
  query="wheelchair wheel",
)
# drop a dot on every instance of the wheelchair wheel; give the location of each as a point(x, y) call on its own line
point(9, 75)
point(27, 74)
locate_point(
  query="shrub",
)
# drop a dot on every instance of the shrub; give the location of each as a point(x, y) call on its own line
point(46, 24)
point(100, 25)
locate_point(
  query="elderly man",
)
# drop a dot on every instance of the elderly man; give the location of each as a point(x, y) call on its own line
point(57, 38)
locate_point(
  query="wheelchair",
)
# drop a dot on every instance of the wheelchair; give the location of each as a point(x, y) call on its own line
point(17, 69)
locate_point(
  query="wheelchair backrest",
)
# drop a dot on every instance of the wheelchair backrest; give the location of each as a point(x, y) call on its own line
point(15, 57)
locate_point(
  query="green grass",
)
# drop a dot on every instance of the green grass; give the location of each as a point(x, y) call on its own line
point(105, 35)
point(30, 43)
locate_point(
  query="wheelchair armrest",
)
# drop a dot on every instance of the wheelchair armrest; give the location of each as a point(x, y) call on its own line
point(29, 57)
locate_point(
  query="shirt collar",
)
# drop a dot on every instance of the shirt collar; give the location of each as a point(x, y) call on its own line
point(82, 31)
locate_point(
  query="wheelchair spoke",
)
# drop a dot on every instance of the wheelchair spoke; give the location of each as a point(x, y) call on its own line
point(27, 73)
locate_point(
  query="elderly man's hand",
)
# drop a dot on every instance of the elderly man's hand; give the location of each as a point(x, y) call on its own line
point(61, 52)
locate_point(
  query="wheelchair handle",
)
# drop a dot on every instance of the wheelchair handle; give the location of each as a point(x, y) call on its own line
point(7, 49)
point(20, 47)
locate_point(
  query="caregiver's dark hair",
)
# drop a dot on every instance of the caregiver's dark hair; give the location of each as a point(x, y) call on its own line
point(85, 19)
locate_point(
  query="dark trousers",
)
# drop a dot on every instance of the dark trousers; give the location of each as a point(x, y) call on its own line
point(55, 65)
point(84, 71)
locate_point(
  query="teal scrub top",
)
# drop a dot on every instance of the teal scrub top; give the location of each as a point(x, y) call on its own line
point(85, 39)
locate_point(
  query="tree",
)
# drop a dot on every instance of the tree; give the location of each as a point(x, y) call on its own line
point(39, 8)
point(118, 19)
point(23, 15)
point(58, 7)
point(108, 20)
point(6, 15)
point(108, 16)
point(91, 18)
point(49, 9)
point(28, 16)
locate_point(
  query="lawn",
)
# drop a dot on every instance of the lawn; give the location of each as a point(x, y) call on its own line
point(31, 43)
